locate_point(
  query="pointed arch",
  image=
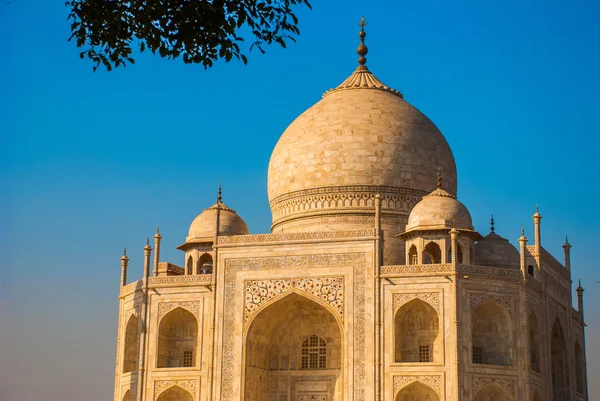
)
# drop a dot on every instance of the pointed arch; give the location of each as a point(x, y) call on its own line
point(413, 256)
point(293, 332)
point(130, 350)
point(205, 264)
point(534, 342)
point(559, 367)
point(432, 254)
point(190, 265)
point(177, 339)
point(417, 333)
point(493, 392)
point(417, 391)
point(579, 375)
point(128, 396)
point(175, 393)
point(491, 335)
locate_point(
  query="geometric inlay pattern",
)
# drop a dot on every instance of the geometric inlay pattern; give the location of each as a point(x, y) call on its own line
point(433, 381)
point(478, 382)
point(162, 385)
point(478, 298)
point(166, 307)
point(327, 289)
point(432, 298)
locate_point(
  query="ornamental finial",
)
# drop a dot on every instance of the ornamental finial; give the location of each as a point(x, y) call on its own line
point(125, 251)
point(492, 229)
point(362, 49)
point(439, 178)
point(220, 194)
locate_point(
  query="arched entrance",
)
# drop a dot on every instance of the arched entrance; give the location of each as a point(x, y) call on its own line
point(293, 351)
point(560, 375)
point(175, 393)
point(131, 345)
point(491, 335)
point(417, 333)
point(177, 339)
point(417, 391)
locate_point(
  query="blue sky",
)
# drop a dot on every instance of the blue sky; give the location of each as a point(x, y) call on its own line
point(92, 162)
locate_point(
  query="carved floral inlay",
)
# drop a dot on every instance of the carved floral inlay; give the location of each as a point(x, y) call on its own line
point(433, 381)
point(478, 298)
point(166, 307)
point(432, 298)
point(162, 385)
point(479, 382)
point(328, 289)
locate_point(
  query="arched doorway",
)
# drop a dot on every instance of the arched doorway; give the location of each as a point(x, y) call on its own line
point(417, 333)
point(175, 393)
point(491, 392)
point(432, 254)
point(293, 350)
point(131, 342)
point(560, 371)
point(417, 391)
point(177, 339)
point(491, 335)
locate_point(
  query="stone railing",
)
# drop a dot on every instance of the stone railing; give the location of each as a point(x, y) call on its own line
point(187, 280)
point(270, 238)
point(447, 268)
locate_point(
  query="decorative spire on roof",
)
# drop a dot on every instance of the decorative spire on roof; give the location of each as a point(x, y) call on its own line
point(362, 78)
point(220, 194)
point(439, 179)
point(492, 229)
point(362, 49)
point(438, 187)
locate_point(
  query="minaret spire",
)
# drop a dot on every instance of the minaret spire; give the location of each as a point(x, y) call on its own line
point(362, 49)
point(220, 194)
point(492, 229)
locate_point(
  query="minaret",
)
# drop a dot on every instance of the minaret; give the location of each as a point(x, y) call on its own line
point(567, 248)
point(157, 238)
point(580, 291)
point(143, 323)
point(124, 263)
point(522, 248)
point(537, 217)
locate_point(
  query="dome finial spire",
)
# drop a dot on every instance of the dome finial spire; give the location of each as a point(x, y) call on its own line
point(492, 229)
point(362, 49)
point(439, 178)
point(220, 194)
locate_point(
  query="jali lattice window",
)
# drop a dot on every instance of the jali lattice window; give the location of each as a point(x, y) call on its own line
point(188, 359)
point(477, 355)
point(314, 353)
point(424, 353)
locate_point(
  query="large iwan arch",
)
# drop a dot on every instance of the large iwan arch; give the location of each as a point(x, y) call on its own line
point(559, 367)
point(294, 336)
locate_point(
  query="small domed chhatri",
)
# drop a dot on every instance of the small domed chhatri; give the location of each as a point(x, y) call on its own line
point(372, 286)
point(202, 228)
point(494, 250)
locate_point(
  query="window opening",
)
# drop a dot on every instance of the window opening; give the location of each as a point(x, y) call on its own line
point(314, 353)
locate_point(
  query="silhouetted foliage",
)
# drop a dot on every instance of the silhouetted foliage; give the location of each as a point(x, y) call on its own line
point(200, 31)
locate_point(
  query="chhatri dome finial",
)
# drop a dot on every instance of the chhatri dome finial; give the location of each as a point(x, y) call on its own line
point(492, 229)
point(220, 194)
point(362, 49)
point(439, 179)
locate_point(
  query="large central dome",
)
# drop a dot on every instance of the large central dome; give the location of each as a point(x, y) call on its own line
point(361, 139)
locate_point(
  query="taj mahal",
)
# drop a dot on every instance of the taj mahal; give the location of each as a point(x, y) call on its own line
point(373, 284)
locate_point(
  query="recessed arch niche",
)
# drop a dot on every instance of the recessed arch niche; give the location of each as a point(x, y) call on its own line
point(417, 391)
point(417, 333)
point(175, 393)
point(131, 345)
point(280, 342)
point(491, 335)
point(177, 339)
point(492, 392)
